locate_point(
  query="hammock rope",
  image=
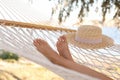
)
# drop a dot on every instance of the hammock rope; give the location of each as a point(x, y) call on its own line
point(12, 13)
point(18, 37)
point(17, 34)
point(19, 40)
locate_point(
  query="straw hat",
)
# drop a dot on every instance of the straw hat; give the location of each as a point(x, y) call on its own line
point(89, 37)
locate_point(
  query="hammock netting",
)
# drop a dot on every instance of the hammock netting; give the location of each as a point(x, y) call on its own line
point(17, 33)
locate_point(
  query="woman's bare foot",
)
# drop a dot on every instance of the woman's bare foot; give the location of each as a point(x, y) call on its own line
point(62, 47)
point(43, 47)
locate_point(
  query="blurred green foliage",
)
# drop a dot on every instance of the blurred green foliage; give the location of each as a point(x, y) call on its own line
point(66, 7)
point(8, 55)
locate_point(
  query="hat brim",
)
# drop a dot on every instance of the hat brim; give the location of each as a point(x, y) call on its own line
point(106, 42)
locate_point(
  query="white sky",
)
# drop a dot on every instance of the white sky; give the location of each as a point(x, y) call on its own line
point(45, 6)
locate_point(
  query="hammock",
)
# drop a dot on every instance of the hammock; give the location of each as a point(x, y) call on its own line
point(20, 41)
point(17, 35)
point(18, 38)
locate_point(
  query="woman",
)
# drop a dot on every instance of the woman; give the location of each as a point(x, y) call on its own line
point(86, 37)
point(64, 57)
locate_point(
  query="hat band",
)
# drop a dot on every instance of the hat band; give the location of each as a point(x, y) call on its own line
point(88, 41)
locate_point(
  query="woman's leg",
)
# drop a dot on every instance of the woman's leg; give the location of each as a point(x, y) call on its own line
point(43, 47)
point(62, 47)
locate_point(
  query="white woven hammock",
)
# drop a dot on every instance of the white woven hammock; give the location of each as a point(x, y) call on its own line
point(18, 37)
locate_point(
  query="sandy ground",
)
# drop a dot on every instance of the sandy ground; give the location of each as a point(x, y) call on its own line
point(25, 70)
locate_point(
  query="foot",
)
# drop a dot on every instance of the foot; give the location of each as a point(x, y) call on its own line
point(43, 47)
point(62, 47)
